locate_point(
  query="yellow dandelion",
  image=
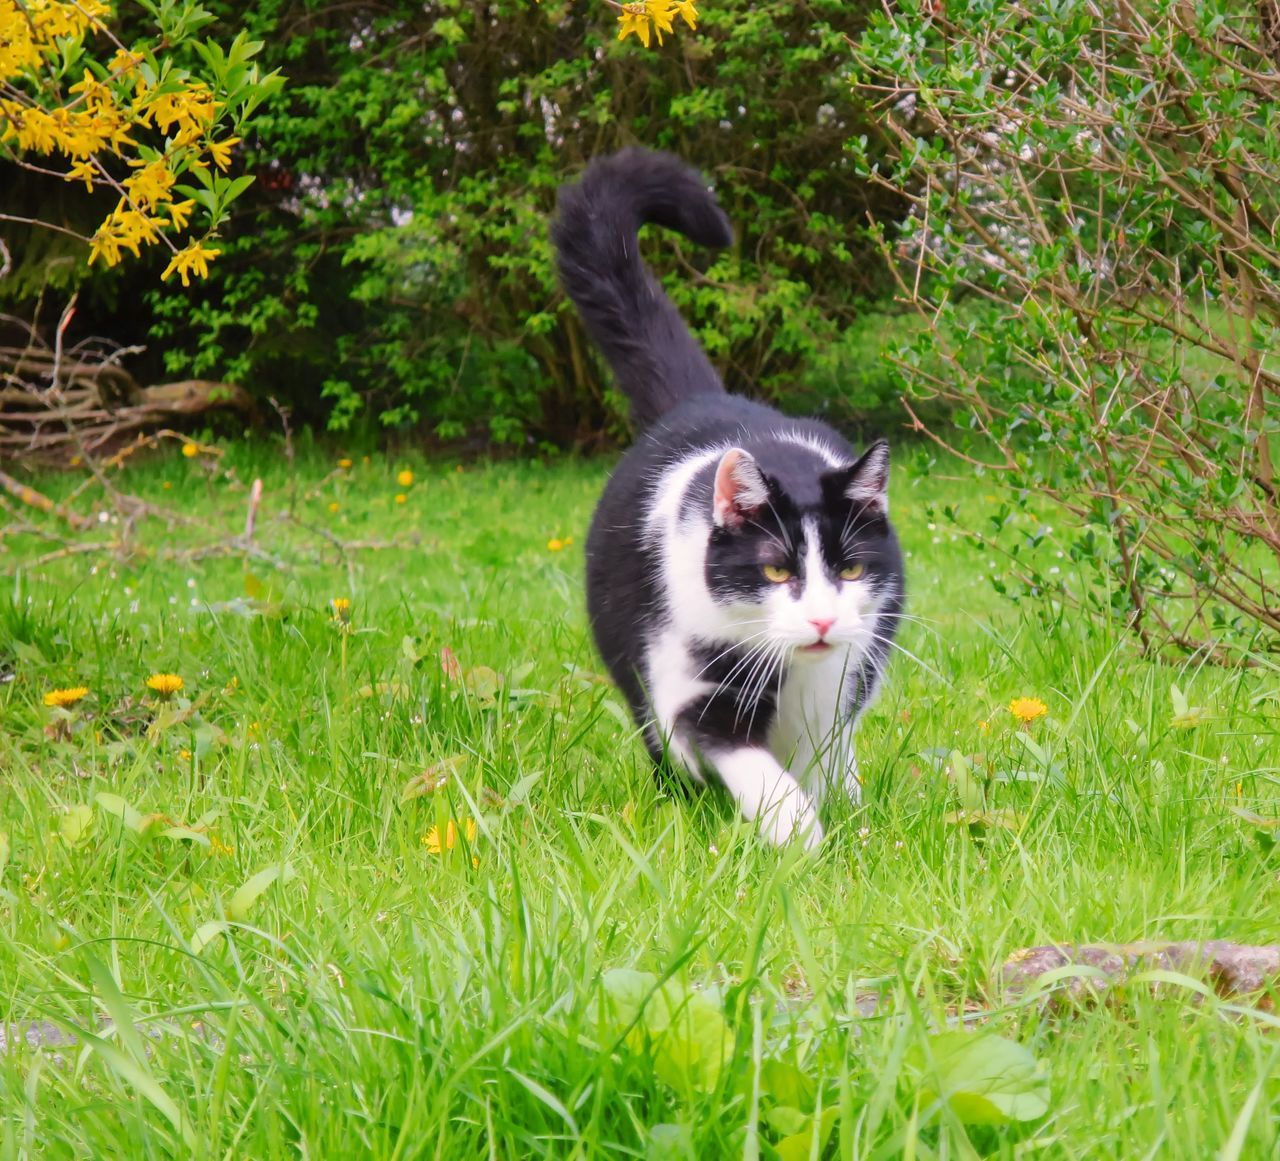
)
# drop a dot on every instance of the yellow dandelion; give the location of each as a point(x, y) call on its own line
point(341, 607)
point(554, 545)
point(984, 727)
point(184, 755)
point(166, 485)
point(345, 464)
point(405, 478)
point(437, 844)
point(218, 847)
point(334, 506)
point(165, 684)
point(401, 498)
point(1027, 709)
point(65, 697)
point(190, 450)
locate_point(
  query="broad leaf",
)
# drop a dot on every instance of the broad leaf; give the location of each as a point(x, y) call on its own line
point(241, 903)
point(986, 1079)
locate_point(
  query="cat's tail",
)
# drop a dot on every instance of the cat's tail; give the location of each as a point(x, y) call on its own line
point(657, 362)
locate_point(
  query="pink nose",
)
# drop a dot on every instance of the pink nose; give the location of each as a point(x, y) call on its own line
point(822, 626)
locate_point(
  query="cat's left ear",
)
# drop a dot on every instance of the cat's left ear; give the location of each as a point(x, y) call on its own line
point(740, 489)
point(867, 482)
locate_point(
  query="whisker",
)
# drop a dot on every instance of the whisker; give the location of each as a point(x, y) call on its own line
point(744, 662)
point(907, 653)
point(730, 649)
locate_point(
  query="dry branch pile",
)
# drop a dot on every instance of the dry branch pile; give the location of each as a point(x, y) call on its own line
point(57, 404)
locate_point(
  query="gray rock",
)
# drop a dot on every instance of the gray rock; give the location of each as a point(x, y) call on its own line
point(1233, 969)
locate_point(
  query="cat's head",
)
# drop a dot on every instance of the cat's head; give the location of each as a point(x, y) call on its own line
point(804, 560)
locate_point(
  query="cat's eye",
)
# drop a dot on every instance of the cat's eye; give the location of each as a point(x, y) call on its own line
point(853, 572)
point(776, 574)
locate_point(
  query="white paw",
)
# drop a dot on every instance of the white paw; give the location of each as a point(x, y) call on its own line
point(791, 815)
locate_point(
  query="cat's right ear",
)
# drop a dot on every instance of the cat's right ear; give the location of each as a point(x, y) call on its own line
point(740, 489)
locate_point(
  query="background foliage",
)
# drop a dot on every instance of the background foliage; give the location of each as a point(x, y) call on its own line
point(393, 257)
point(1094, 243)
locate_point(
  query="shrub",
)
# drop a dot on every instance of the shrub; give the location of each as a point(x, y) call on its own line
point(1094, 241)
point(392, 259)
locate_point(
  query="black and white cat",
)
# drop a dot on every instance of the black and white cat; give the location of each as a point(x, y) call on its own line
point(743, 580)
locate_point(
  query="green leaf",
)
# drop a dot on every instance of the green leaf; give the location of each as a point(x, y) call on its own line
point(986, 1079)
point(206, 933)
point(785, 1084)
point(241, 903)
point(787, 1121)
point(799, 1146)
point(185, 834)
point(77, 823)
point(114, 805)
point(967, 786)
point(683, 1029)
point(670, 1142)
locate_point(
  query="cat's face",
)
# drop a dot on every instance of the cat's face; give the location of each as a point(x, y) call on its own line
point(809, 580)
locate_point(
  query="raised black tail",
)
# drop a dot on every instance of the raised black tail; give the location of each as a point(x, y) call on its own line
point(657, 362)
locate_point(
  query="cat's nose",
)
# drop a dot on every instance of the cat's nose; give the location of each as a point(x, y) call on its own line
point(822, 625)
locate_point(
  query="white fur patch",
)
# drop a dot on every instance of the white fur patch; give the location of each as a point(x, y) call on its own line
point(835, 461)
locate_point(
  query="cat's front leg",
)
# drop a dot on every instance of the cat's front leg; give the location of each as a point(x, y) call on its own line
point(765, 791)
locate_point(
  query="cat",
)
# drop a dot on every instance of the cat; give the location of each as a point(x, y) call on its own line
point(744, 583)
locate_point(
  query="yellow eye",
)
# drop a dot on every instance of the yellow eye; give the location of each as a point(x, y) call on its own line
point(777, 575)
point(853, 572)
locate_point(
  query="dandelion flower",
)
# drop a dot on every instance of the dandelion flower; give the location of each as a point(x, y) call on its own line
point(404, 478)
point(554, 545)
point(341, 607)
point(334, 506)
point(65, 697)
point(345, 464)
point(437, 844)
point(190, 450)
point(401, 498)
point(1027, 709)
point(165, 684)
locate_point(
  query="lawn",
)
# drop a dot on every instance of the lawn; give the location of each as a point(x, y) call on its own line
point(407, 871)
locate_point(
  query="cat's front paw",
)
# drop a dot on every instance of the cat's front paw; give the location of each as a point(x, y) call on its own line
point(792, 816)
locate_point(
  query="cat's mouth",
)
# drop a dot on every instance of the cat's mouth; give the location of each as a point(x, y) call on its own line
point(816, 647)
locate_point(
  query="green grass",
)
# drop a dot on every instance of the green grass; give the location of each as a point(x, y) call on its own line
point(380, 1000)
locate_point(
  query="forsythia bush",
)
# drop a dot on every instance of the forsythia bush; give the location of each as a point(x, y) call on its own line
point(78, 102)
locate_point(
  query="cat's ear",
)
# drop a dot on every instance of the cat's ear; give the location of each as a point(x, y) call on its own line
point(867, 482)
point(740, 489)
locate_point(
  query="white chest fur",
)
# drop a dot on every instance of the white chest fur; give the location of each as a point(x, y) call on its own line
point(811, 735)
